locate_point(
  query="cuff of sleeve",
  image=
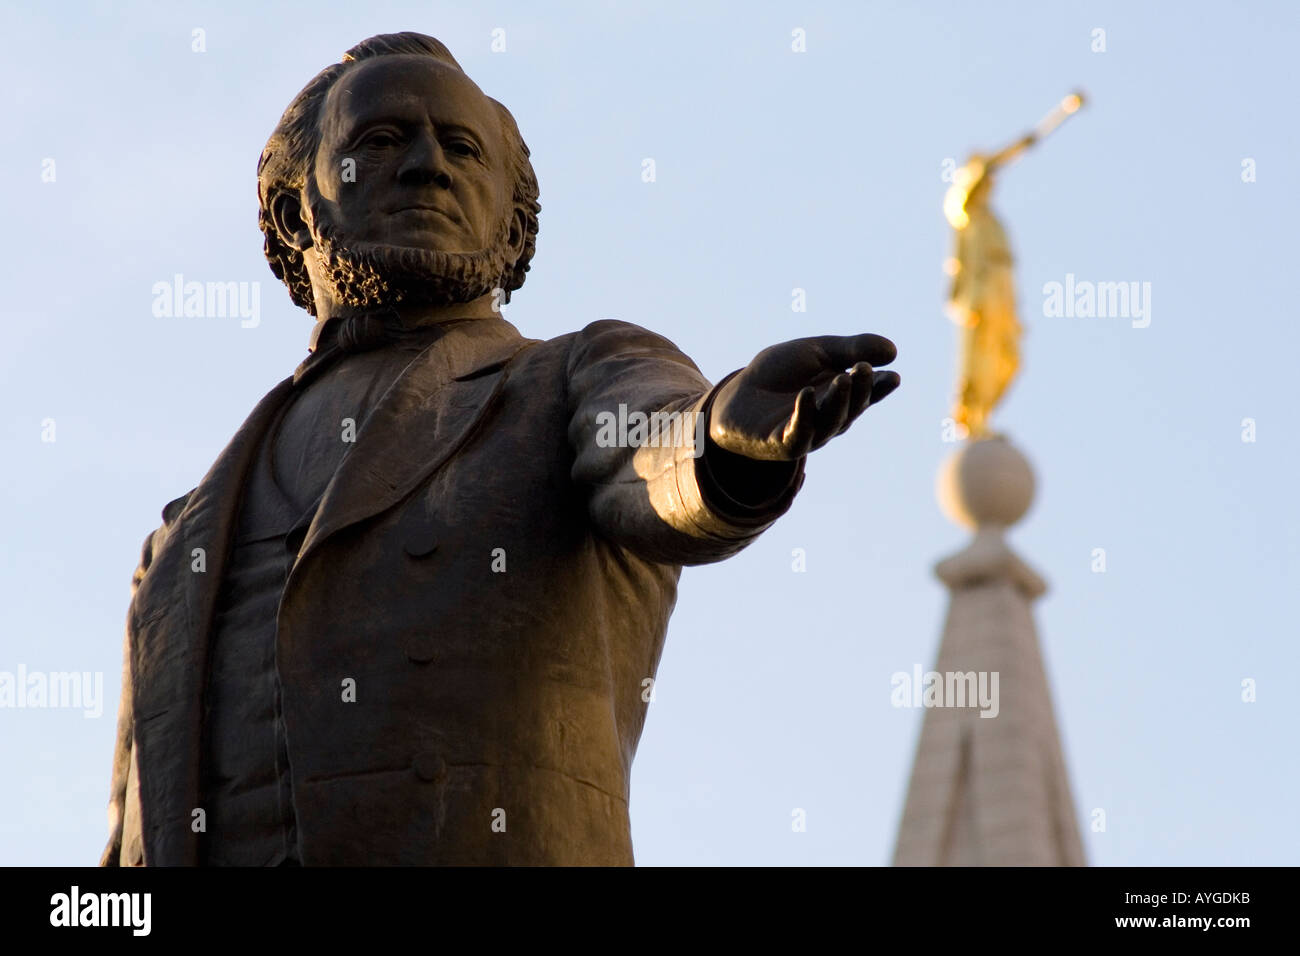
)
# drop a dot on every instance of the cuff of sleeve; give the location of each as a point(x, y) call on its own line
point(712, 508)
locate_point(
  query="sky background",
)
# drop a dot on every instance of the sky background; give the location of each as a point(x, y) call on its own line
point(819, 170)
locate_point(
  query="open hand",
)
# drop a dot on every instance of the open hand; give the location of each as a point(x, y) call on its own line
point(796, 396)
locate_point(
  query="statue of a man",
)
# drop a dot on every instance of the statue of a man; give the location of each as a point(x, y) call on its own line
point(410, 613)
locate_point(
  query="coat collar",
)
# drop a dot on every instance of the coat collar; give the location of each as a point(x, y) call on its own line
point(440, 398)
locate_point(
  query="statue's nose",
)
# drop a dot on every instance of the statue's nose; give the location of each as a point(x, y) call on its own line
point(425, 164)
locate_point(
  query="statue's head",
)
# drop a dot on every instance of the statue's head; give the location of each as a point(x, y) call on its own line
point(392, 178)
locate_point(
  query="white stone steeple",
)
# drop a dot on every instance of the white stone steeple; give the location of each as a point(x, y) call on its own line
point(990, 790)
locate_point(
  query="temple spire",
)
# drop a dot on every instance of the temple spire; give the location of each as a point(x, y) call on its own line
point(990, 790)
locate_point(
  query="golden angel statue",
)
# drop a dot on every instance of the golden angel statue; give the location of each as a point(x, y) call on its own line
point(982, 300)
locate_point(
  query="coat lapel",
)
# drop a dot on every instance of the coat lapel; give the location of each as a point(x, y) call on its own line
point(170, 647)
point(419, 423)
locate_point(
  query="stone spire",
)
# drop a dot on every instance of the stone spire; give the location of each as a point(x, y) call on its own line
point(989, 790)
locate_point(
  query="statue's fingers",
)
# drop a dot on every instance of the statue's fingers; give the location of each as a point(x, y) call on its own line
point(801, 429)
point(833, 409)
point(845, 351)
point(860, 380)
point(882, 384)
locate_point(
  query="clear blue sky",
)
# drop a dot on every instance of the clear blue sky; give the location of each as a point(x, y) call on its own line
point(775, 170)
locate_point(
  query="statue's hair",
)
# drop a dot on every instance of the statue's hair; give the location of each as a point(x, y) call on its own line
point(290, 155)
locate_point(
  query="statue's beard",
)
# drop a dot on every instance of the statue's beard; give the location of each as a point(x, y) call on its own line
point(365, 275)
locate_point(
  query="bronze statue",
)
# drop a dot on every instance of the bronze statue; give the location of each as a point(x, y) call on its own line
point(409, 615)
point(982, 300)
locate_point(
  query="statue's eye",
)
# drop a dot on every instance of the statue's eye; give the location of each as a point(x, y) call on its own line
point(461, 147)
point(380, 138)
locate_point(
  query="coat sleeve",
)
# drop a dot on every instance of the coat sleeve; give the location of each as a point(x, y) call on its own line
point(638, 427)
point(122, 750)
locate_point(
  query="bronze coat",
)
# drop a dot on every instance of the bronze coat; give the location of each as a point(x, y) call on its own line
point(481, 695)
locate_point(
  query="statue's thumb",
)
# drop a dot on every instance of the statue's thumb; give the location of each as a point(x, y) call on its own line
point(800, 430)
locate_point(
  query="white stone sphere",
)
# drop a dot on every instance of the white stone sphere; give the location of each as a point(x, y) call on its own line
point(988, 482)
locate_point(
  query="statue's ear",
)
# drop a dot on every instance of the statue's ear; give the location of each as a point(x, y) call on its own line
point(518, 236)
point(290, 224)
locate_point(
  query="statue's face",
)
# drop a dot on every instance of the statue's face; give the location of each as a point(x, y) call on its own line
point(428, 163)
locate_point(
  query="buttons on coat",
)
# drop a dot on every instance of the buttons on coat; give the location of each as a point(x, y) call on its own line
point(429, 766)
point(421, 649)
point(420, 541)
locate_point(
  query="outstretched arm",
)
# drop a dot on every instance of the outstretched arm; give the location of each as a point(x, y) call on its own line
point(1009, 154)
point(737, 463)
point(1058, 115)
